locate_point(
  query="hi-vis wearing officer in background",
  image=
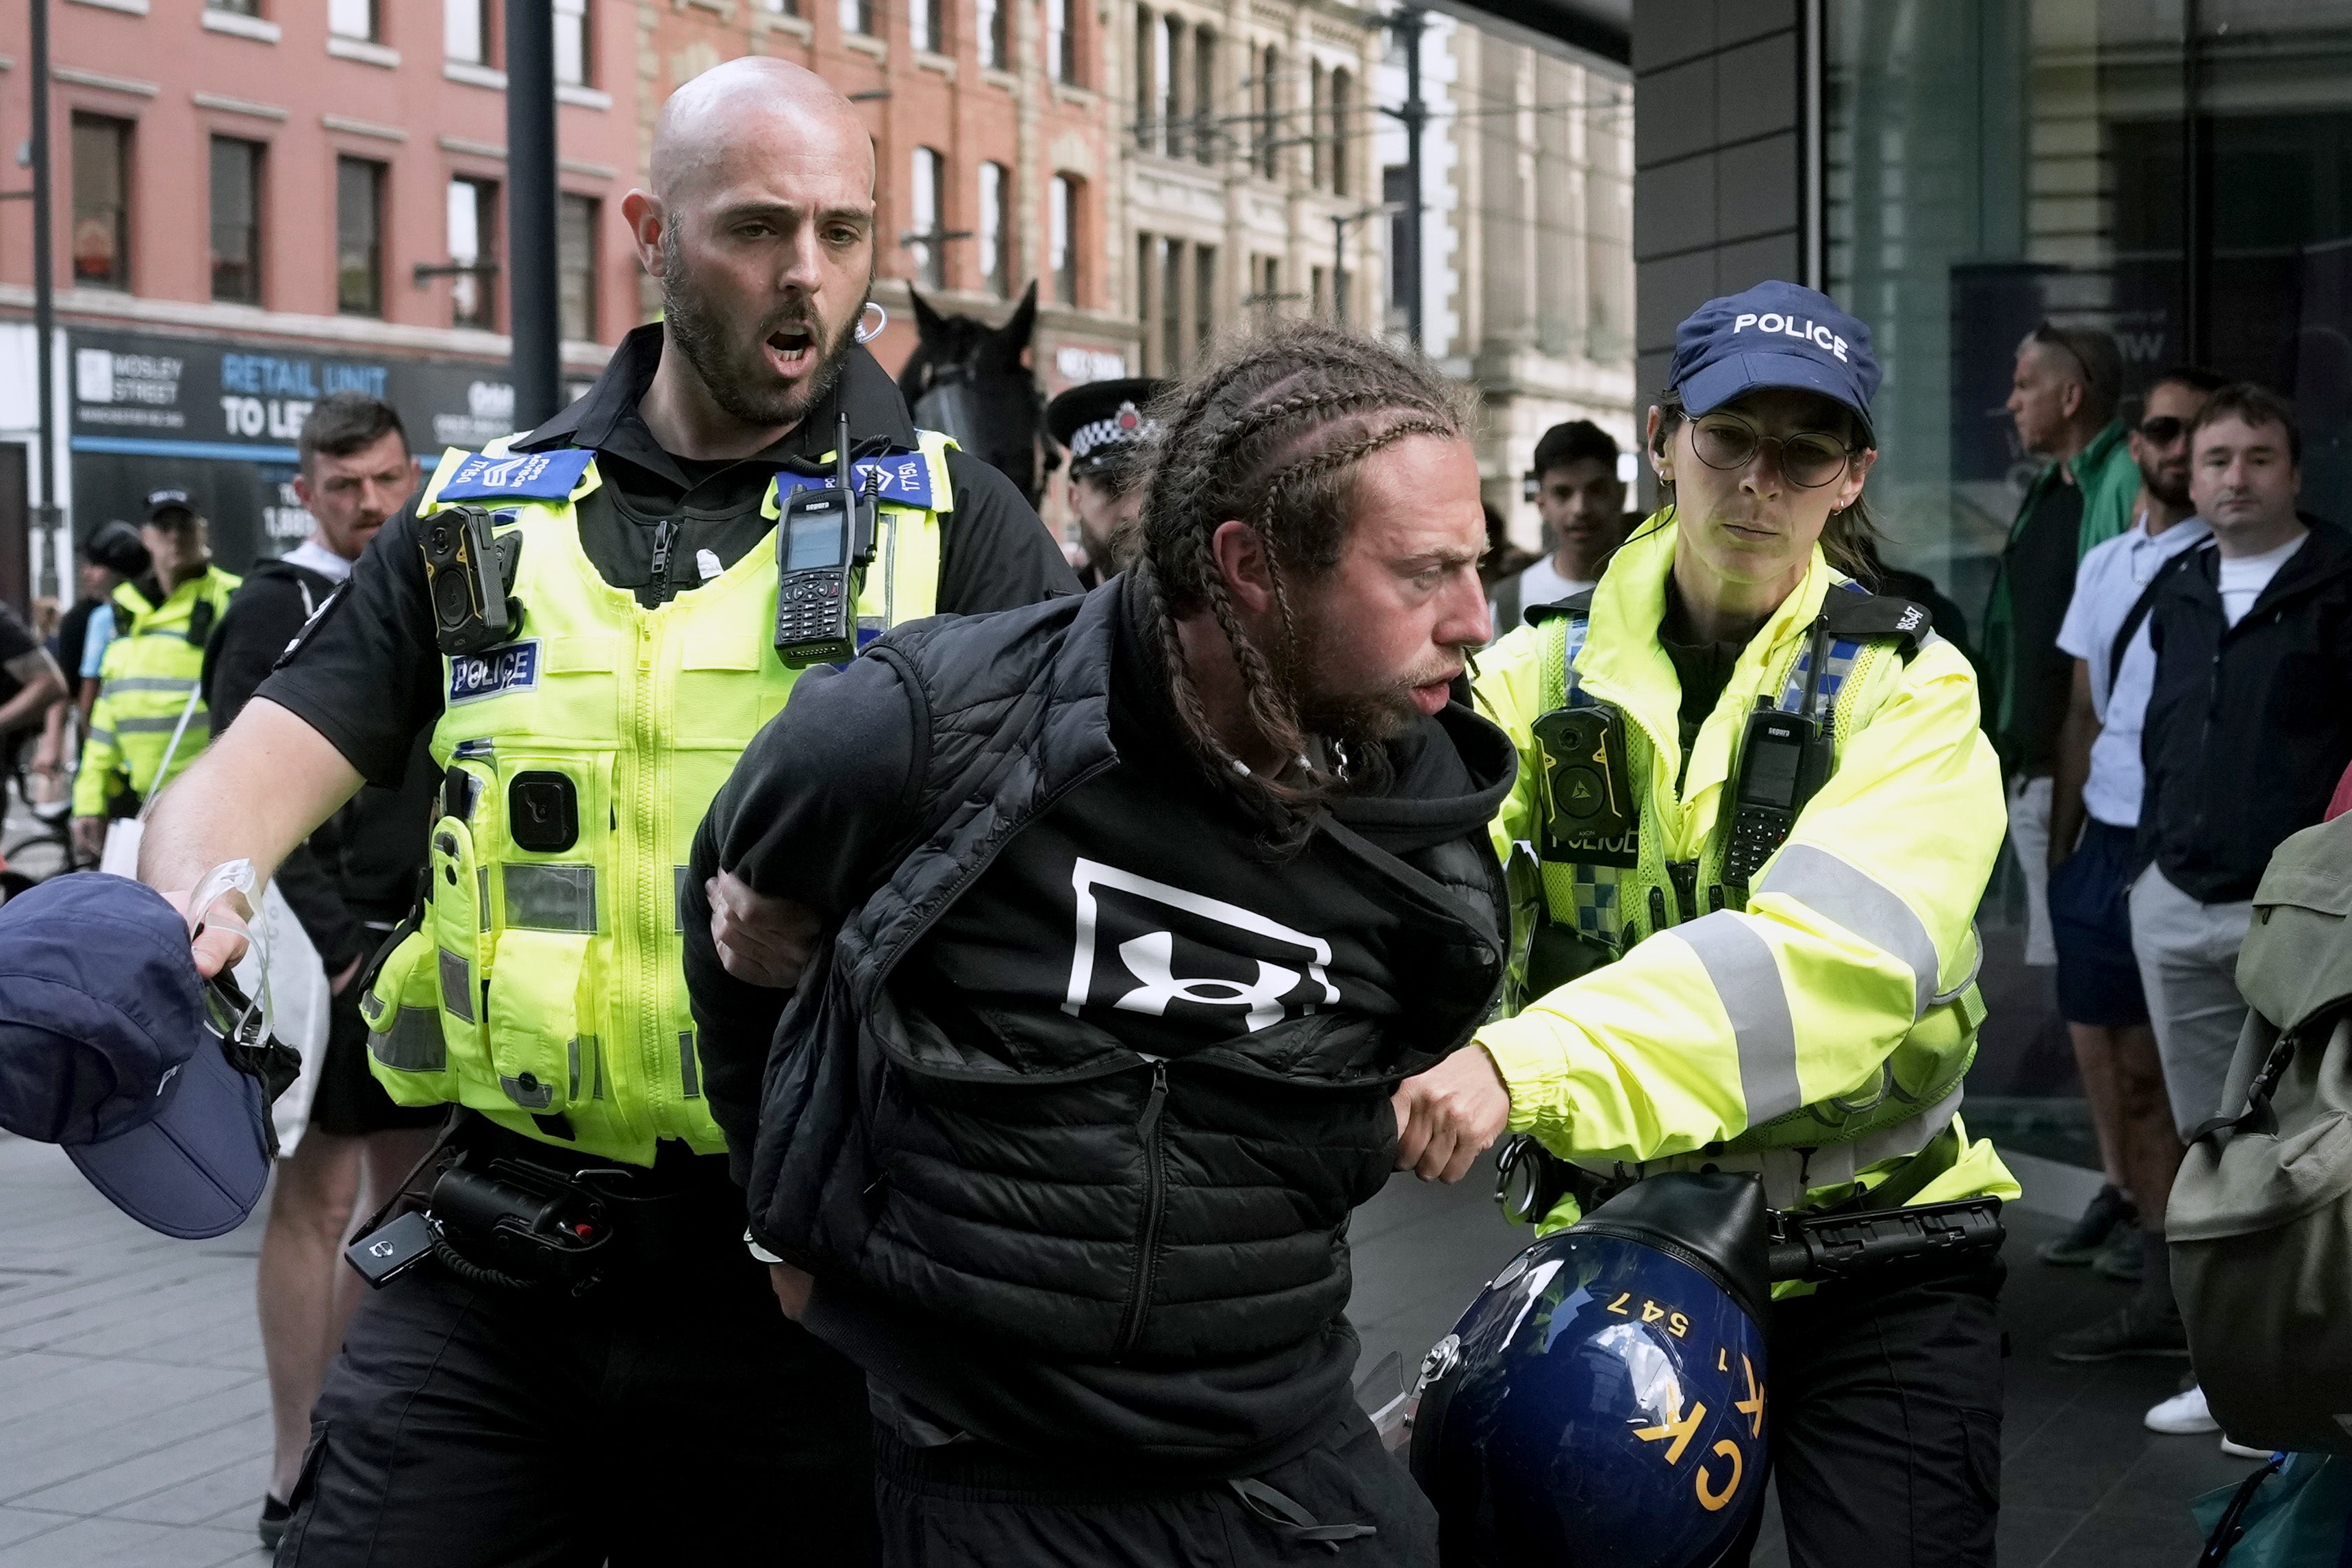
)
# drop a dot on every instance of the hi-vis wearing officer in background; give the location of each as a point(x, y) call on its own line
point(571, 1358)
point(148, 723)
point(1753, 819)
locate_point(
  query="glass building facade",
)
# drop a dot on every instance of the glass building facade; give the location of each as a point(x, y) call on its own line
point(2178, 171)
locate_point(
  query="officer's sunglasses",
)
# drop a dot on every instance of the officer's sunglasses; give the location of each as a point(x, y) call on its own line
point(1809, 459)
point(2163, 430)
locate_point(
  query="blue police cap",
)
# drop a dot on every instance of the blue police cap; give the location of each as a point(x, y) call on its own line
point(104, 1048)
point(1773, 335)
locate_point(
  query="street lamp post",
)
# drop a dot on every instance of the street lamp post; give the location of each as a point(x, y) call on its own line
point(1339, 222)
point(1407, 23)
point(45, 290)
point(534, 307)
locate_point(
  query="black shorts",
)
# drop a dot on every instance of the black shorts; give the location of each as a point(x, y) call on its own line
point(968, 1506)
point(349, 1102)
point(2090, 919)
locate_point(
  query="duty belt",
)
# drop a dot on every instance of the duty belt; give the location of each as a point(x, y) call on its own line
point(497, 1214)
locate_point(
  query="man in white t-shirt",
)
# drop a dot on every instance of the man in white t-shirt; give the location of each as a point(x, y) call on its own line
point(2248, 726)
point(2094, 817)
point(1582, 503)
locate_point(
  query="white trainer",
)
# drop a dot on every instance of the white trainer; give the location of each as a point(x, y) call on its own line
point(2240, 1450)
point(2183, 1415)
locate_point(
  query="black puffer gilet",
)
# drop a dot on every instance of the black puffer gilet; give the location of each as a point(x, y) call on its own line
point(1087, 1203)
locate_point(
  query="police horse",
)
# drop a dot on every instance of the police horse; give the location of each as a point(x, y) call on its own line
point(966, 380)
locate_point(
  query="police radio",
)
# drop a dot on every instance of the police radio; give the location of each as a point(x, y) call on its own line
point(823, 544)
point(470, 576)
point(1784, 760)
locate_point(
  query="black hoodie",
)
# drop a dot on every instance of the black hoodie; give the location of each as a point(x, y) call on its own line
point(1071, 1124)
point(2250, 726)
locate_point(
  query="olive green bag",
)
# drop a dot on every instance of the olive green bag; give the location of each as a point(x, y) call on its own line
point(2261, 1219)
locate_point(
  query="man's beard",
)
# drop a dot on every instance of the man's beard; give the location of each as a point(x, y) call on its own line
point(2173, 496)
point(736, 373)
point(1359, 719)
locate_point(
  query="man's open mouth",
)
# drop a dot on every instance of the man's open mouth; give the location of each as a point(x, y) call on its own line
point(791, 345)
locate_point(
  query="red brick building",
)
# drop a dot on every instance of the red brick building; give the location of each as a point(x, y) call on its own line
point(246, 190)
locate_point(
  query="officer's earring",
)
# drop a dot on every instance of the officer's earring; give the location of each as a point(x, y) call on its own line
point(866, 334)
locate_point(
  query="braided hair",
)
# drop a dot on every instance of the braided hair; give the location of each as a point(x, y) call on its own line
point(1272, 433)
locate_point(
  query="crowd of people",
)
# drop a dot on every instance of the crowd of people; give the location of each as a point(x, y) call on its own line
point(915, 1102)
point(2171, 654)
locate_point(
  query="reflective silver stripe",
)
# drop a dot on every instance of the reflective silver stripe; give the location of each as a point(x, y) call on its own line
point(573, 1093)
point(1747, 984)
point(412, 1044)
point(173, 684)
point(1790, 1173)
point(1834, 1165)
point(482, 898)
point(550, 897)
point(163, 725)
point(1976, 967)
point(458, 984)
point(537, 1097)
point(687, 1069)
point(678, 897)
point(105, 735)
point(1864, 905)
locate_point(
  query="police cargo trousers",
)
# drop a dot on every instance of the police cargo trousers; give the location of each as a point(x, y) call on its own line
point(1886, 1424)
point(675, 1417)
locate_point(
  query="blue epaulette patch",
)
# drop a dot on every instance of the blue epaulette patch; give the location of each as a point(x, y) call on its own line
point(897, 478)
point(519, 475)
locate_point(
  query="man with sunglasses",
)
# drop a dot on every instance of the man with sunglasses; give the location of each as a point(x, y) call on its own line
point(2095, 811)
point(2063, 398)
point(1754, 815)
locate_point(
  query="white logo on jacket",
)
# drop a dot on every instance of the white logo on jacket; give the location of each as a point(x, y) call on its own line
point(1266, 988)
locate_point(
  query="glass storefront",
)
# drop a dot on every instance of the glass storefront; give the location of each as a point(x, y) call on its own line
point(2177, 171)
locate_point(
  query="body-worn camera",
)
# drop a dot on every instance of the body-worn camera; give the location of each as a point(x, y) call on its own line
point(823, 544)
point(469, 575)
point(1589, 813)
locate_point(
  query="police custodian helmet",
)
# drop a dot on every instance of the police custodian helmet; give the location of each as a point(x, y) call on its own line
point(1602, 1404)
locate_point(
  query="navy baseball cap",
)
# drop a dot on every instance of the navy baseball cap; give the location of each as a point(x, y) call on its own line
point(105, 1048)
point(1773, 335)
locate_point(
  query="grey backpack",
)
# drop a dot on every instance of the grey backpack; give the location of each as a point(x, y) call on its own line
point(2261, 1219)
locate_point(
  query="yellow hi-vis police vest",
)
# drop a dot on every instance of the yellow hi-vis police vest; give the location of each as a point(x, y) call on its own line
point(1814, 1027)
point(543, 985)
point(152, 667)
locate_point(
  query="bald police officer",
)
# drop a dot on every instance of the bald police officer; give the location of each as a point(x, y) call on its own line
point(522, 1401)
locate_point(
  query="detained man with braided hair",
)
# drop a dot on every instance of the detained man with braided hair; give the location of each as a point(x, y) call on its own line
point(1126, 916)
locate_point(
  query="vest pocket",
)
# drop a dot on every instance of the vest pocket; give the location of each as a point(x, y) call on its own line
point(406, 1051)
point(543, 1050)
point(460, 921)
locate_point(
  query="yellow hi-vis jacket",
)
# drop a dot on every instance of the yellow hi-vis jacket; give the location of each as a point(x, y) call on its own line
point(543, 983)
point(1817, 1031)
point(151, 669)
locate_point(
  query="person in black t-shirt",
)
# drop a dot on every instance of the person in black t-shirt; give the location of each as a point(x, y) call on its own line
point(1139, 914)
point(668, 1415)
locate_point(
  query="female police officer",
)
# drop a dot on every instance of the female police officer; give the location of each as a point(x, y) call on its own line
point(1731, 747)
